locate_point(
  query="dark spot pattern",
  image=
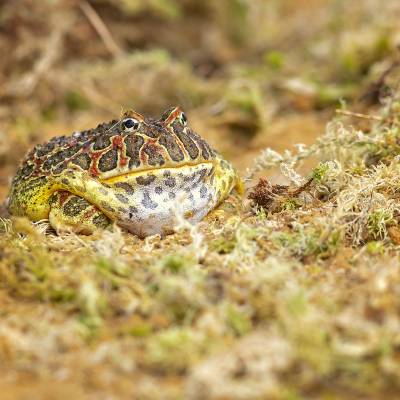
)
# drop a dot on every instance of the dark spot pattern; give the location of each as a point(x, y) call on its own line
point(74, 206)
point(170, 182)
point(60, 156)
point(101, 221)
point(54, 198)
point(102, 142)
point(65, 181)
point(126, 187)
point(190, 177)
point(133, 145)
point(82, 160)
point(155, 158)
point(201, 175)
point(107, 207)
point(145, 181)
point(132, 210)
point(49, 163)
point(27, 170)
point(158, 189)
point(34, 183)
point(171, 195)
point(42, 150)
point(172, 147)
point(203, 192)
point(148, 202)
point(121, 198)
point(195, 185)
point(59, 168)
point(187, 142)
point(151, 130)
point(206, 150)
point(108, 161)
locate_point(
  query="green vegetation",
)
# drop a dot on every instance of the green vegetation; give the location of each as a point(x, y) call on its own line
point(289, 292)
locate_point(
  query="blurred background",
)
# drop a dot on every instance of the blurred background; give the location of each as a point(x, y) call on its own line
point(249, 73)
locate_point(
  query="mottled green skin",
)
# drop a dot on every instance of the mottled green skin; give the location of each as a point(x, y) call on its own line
point(138, 177)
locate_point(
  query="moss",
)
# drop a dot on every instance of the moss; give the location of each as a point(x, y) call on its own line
point(274, 59)
point(290, 204)
point(377, 222)
point(320, 172)
point(139, 330)
point(238, 321)
point(375, 247)
point(75, 101)
point(174, 350)
point(174, 263)
point(309, 242)
point(223, 245)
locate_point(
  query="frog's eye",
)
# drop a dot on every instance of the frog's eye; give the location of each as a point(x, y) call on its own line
point(130, 124)
point(174, 114)
point(183, 118)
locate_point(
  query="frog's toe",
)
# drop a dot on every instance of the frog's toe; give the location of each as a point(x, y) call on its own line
point(71, 213)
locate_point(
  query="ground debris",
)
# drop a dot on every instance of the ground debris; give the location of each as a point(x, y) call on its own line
point(268, 196)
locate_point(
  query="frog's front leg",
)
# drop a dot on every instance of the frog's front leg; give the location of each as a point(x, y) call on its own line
point(71, 213)
point(83, 203)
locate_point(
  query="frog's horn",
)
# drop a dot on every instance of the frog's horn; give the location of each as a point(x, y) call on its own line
point(173, 114)
point(133, 114)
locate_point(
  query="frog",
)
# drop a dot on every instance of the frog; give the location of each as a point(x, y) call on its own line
point(140, 173)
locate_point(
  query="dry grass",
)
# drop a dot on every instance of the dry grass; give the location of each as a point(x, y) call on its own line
point(293, 295)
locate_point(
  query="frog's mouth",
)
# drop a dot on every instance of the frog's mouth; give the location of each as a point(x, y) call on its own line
point(173, 170)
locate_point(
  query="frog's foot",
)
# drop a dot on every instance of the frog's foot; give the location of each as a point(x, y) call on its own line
point(71, 213)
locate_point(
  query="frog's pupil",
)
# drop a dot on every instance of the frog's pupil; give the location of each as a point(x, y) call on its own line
point(183, 118)
point(130, 123)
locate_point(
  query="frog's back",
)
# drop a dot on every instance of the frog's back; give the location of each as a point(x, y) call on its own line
point(33, 179)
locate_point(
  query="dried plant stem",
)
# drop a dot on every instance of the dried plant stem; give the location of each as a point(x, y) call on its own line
point(101, 29)
point(27, 84)
point(358, 115)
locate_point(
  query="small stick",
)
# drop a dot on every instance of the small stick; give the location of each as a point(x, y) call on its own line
point(358, 115)
point(100, 28)
point(302, 188)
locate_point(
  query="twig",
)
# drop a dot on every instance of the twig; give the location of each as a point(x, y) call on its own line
point(358, 115)
point(301, 189)
point(100, 28)
point(374, 91)
point(28, 82)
